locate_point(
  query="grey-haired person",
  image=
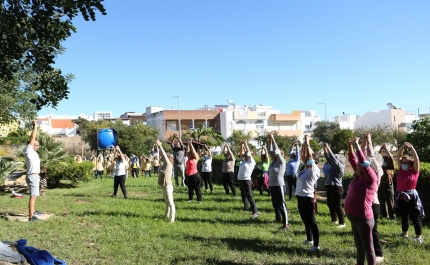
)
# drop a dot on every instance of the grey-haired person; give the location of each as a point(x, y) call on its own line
point(333, 170)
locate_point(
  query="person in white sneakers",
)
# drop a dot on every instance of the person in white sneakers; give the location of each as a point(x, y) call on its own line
point(244, 177)
point(306, 180)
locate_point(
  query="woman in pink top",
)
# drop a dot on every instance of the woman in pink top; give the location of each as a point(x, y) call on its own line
point(194, 180)
point(407, 201)
point(358, 203)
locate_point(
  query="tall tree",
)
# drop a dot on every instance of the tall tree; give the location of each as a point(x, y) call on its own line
point(283, 142)
point(380, 134)
point(236, 139)
point(324, 131)
point(31, 32)
point(420, 138)
point(205, 135)
point(340, 140)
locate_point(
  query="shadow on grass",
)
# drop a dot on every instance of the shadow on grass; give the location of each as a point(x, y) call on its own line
point(111, 213)
point(211, 261)
point(246, 220)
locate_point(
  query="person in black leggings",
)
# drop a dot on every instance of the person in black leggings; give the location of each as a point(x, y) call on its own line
point(292, 168)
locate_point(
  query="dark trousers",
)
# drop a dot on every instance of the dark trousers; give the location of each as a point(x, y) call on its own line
point(207, 178)
point(278, 203)
point(156, 169)
point(227, 181)
point(334, 203)
point(362, 231)
point(99, 173)
point(291, 180)
point(194, 185)
point(147, 172)
point(260, 183)
point(135, 172)
point(247, 196)
point(306, 211)
point(386, 200)
point(407, 210)
point(375, 234)
point(119, 181)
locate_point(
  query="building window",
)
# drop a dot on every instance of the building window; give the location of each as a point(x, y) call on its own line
point(259, 125)
point(191, 125)
point(307, 114)
point(307, 126)
point(171, 126)
point(241, 125)
point(261, 114)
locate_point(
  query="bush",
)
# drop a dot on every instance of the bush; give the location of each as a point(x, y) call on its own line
point(7, 167)
point(424, 178)
point(74, 172)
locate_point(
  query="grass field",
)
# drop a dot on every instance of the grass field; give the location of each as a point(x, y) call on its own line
point(90, 227)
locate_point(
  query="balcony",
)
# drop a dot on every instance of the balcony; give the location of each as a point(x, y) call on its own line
point(249, 115)
point(284, 117)
point(288, 132)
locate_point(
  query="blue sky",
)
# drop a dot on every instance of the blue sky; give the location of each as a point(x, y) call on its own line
point(354, 56)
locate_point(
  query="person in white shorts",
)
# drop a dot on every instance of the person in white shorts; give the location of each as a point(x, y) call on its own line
point(32, 161)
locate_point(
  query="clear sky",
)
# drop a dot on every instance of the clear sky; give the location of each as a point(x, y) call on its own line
point(354, 56)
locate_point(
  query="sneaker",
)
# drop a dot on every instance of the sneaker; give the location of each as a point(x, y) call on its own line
point(34, 218)
point(113, 196)
point(284, 228)
point(379, 259)
point(254, 215)
point(418, 240)
point(404, 236)
point(189, 201)
point(37, 213)
point(336, 222)
point(314, 249)
point(341, 226)
point(200, 202)
point(307, 242)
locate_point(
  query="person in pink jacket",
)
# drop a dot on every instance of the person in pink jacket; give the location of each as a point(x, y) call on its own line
point(358, 203)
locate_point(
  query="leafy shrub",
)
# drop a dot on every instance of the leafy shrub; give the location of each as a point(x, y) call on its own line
point(424, 178)
point(74, 172)
point(7, 167)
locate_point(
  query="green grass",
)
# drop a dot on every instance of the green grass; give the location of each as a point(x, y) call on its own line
point(90, 227)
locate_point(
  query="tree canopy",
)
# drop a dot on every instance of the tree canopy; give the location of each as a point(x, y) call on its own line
point(420, 138)
point(324, 131)
point(31, 33)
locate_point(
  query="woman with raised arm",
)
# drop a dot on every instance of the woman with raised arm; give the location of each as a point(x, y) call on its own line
point(375, 160)
point(292, 168)
point(407, 200)
point(333, 170)
point(165, 182)
point(306, 180)
point(358, 202)
point(228, 170)
point(120, 172)
point(207, 169)
point(244, 177)
point(263, 171)
point(99, 166)
point(386, 187)
point(276, 182)
point(194, 180)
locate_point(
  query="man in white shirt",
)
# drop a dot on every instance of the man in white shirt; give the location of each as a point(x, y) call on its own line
point(32, 161)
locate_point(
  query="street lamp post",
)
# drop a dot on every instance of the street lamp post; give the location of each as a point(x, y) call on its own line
point(179, 117)
point(325, 110)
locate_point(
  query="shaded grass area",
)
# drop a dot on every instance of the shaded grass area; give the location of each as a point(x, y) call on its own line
point(90, 227)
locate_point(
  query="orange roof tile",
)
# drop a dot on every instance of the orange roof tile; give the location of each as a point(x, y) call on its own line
point(63, 123)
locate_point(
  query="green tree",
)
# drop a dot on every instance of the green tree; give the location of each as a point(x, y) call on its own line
point(340, 140)
point(399, 136)
point(136, 139)
point(31, 33)
point(420, 138)
point(236, 139)
point(316, 147)
point(380, 134)
point(324, 131)
point(205, 135)
point(283, 142)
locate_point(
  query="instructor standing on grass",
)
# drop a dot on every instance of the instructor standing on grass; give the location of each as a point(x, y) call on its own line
point(32, 161)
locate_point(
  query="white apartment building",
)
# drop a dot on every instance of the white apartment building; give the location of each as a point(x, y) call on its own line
point(260, 118)
point(392, 117)
point(346, 121)
point(308, 119)
point(102, 115)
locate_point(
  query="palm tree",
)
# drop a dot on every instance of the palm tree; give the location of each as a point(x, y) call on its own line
point(205, 135)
